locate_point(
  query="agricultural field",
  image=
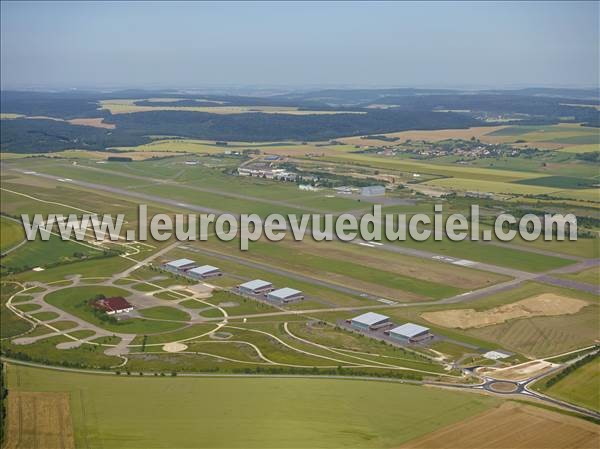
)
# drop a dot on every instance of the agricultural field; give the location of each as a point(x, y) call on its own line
point(516, 426)
point(163, 104)
point(253, 408)
point(37, 419)
point(579, 387)
point(11, 234)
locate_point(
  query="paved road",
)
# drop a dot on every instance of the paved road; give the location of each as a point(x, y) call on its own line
point(524, 388)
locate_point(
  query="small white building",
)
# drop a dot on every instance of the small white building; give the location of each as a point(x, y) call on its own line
point(255, 287)
point(203, 272)
point(411, 333)
point(308, 187)
point(370, 321)
point(496, 355)
point(373, 191)
point(285, 295)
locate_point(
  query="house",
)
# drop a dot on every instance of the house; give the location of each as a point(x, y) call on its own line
point(370, 321)
point(411, 333)
point(179, 266)
point(203, 272)
point(285, 295)
point(255, 287)
point(114, 305)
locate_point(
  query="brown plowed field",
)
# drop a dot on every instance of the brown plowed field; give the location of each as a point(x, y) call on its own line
point(513, 426)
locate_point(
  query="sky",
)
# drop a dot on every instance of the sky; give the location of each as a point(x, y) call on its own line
point(193, 45)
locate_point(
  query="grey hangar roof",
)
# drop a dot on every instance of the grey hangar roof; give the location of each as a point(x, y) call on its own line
point(179, 263)
point(204, 269)
point(256, 283)
point(285, 292)
point(409, 330)
point(370, 318)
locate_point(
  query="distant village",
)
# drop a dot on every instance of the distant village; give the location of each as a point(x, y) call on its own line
point(464, 150)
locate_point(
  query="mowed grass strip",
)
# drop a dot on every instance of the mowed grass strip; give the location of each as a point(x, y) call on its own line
point(496, 255)
point(165, 412)
point(165, 313)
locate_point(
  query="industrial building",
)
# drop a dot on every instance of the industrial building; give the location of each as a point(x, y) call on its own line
point(411, 333)
point(255, 287)
point(370, 321)
point(179, 266)
point(285, 295)
point(203, 272)
point(372, 191)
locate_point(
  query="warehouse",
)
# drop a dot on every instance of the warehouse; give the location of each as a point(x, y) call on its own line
point(179, 265)
point(203, 272)
point(372, 191)
point(255, 287)
point(411, 333)
point(285, 295)
point(370, 321)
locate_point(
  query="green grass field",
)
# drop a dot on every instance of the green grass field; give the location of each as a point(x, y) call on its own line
point(11, 234)
point(165, 313)
point(581, 387)
point(127, 413)
point(74, 300)
point(38, 253)
point(590, 276)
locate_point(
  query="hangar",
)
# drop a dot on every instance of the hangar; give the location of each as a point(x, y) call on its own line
point(203, 272)
point(285, 295)
point(411, 333)
point(255, 287)
point(370, 321)
point(179, 265)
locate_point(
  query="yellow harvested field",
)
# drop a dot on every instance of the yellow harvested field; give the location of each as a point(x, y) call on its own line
point(39, 420)
point(129, 106)
point(546, 304)
point(513, 426)
point(9, 116)
point(479, 132)
point(95, 122)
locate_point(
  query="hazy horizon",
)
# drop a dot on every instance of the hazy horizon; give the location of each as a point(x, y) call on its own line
point(98, 45)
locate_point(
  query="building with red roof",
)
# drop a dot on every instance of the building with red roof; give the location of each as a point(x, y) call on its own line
point(113, 305)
